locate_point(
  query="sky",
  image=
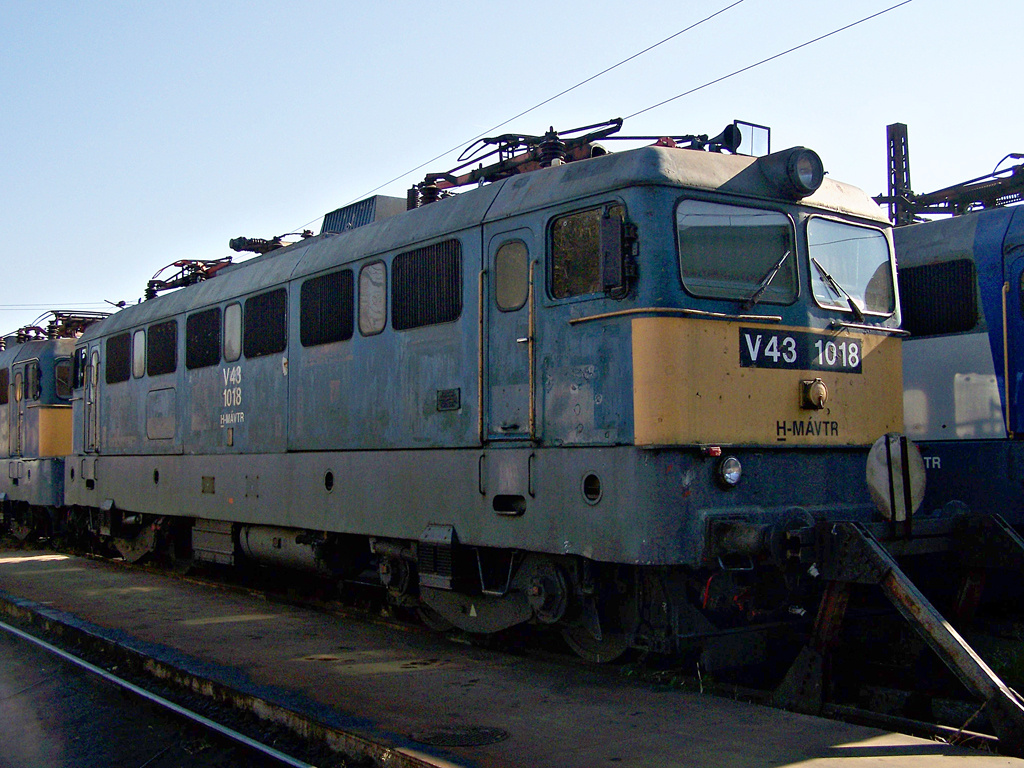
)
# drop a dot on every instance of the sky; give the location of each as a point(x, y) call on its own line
point(136, 134)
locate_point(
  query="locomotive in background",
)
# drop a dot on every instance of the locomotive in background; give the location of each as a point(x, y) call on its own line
point(961, 281)
point(35, 417)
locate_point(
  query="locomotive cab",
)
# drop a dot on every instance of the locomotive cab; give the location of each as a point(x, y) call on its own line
point(35, 429)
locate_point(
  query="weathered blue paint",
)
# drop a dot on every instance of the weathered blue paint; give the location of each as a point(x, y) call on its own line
point(376, 412)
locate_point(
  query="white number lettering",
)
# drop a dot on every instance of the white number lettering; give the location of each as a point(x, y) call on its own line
point(854, 354)
point(752, 348)
point(789, 349)
point(232, 397)
point(830, 353)
point(771, 349)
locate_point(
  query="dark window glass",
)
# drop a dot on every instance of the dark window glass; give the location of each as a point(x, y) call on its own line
point(119, 358)
point(939, 298)
point(426, 286)
point(576, 252)
point(5, 386)
point(326, 308)
point(33, 381)
point(162, 348)
point(62, 378)
point(737, 253)
point(263, 324)
point(81, 361)
point(202, 339)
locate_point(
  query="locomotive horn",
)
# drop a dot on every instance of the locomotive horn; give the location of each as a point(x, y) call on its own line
point(729, 139)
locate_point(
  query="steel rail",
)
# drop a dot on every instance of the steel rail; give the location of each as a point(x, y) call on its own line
point(225, 732)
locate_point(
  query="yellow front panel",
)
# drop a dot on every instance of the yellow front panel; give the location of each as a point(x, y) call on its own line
point(54, 431)
point(689, 387)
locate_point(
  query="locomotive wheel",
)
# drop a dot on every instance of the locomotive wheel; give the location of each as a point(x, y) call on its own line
point(583, 643)
point(604, 628)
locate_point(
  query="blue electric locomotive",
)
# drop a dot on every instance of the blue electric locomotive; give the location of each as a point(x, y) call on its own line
point(608, 391)
point(961, 284)
point(35, 419)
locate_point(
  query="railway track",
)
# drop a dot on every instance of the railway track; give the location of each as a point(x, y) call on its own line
point(263, 733)
point(251, 750)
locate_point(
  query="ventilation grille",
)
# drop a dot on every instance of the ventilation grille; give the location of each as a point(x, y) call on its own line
point(364, 212)
point(938, 299)
point(426, 286)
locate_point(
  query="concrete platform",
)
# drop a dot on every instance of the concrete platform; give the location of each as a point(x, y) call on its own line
point(401, 689)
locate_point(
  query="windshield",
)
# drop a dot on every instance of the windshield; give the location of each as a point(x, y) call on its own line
point(731, 252)
point(851, 269)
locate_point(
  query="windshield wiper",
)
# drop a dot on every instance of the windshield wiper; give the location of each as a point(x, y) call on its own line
point(838, 290)
point(765, 282)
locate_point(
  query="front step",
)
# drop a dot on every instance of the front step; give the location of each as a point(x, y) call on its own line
point(850, 554)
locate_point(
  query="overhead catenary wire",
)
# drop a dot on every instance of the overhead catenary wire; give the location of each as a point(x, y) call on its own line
point(770, 58)
point(548, 100)
point(653, 106)
point(694, 25)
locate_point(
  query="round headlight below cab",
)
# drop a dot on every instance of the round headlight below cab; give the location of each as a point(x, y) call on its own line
point(728, 472)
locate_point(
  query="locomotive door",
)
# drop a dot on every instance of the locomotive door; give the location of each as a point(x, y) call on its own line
point(509, 298)
point(92, 411)
point(18, 412)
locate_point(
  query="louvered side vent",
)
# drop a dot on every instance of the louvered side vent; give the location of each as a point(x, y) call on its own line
point(939, 299)
point(426, 286)
point(364, 212)
point(435, 556)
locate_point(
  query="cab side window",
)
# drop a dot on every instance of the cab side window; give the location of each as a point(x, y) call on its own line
point(576, 251)
point(62, 378)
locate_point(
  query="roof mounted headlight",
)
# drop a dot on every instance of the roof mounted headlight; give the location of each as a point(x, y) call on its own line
point(795, 172)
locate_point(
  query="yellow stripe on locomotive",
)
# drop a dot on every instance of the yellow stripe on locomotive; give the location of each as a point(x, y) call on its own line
point(730, 382)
